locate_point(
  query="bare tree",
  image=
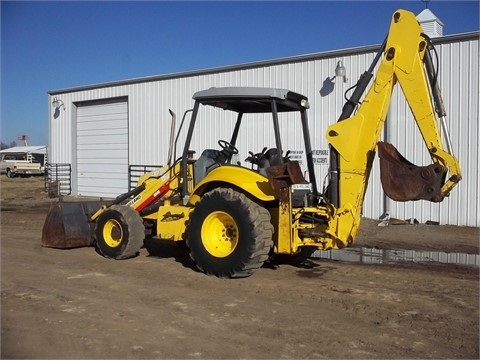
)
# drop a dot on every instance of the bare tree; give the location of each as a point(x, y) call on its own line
point(5, 146)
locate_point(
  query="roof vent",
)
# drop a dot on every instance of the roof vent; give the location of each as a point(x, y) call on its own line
point(431, 25)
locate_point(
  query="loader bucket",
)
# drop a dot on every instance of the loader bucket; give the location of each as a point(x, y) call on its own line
point(404, 181)
point(68, 225)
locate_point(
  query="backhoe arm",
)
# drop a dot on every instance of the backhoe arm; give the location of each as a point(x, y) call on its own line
point(354, 139)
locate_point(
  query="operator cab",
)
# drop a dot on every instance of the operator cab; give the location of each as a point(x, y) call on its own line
point(241, 101)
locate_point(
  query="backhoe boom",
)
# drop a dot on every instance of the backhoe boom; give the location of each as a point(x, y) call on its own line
point(355, 139)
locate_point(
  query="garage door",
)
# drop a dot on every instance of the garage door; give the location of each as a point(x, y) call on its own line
point(102, 148)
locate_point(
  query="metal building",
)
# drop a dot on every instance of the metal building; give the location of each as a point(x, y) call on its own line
point(101, 131)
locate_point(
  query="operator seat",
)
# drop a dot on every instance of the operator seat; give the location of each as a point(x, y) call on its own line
point(209, 160)
point(271, 157)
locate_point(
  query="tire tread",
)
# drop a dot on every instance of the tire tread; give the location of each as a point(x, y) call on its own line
point(261, 230)
point(136, 232)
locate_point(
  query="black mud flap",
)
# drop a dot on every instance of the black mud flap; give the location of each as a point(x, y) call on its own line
point(404, 181)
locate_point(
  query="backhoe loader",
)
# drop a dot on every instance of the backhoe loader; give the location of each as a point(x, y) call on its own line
point(233, 217)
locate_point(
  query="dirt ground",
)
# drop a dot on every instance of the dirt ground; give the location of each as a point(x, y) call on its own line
point(76, 304)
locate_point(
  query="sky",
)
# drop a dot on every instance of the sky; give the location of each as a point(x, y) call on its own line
point(49, 46)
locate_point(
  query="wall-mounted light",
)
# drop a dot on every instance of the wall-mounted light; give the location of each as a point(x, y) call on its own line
point(340, 71)
point(57, 103)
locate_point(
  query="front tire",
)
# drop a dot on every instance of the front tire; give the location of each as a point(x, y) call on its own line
point(119, 232)
point(228, 234)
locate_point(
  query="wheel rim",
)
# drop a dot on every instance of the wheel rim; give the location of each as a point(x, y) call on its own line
point(112, 233)
point(219, 234)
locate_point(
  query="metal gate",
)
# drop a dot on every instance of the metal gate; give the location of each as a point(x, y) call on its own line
point(58, 179)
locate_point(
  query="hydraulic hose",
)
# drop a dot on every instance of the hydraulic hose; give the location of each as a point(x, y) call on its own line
point(347, 111)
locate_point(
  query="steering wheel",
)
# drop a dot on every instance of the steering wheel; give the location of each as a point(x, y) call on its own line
point(229, 148)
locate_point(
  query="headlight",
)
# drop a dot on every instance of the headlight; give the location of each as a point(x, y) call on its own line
point(305, 104)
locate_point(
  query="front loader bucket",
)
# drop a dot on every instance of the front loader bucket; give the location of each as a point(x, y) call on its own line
point(68, 225)
point(404, 181)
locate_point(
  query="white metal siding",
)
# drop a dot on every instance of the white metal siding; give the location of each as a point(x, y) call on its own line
point(461, 96)
point(149, 120)
point(102, 149)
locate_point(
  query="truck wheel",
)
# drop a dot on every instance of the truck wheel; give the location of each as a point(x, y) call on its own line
point(9, 173)
point(228, 234)
point(119, 232)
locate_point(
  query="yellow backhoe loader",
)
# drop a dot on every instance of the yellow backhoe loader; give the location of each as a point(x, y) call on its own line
point(232, 217)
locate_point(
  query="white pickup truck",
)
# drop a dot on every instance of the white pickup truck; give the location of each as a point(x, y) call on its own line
point(20, 164)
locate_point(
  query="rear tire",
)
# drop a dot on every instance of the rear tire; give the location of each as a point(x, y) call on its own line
point(119, 232)
point(228, 234)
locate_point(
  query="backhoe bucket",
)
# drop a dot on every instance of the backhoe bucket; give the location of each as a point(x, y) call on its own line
point(68, 225)
point(404, 181)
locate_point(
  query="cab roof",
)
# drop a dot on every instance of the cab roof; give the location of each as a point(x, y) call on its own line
point(252, 99)
point(41, 149)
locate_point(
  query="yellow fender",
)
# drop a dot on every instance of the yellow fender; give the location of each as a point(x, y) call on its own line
point(250, 181)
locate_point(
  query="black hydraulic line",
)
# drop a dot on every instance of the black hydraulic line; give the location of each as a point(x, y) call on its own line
point(151, 208)
point(433, 80)
point(308, 218)
point(432, 74)
point(347, 110)
point(125, 196)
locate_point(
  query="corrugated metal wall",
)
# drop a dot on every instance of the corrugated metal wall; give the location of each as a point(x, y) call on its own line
point(458, 77)
point(313, 76)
